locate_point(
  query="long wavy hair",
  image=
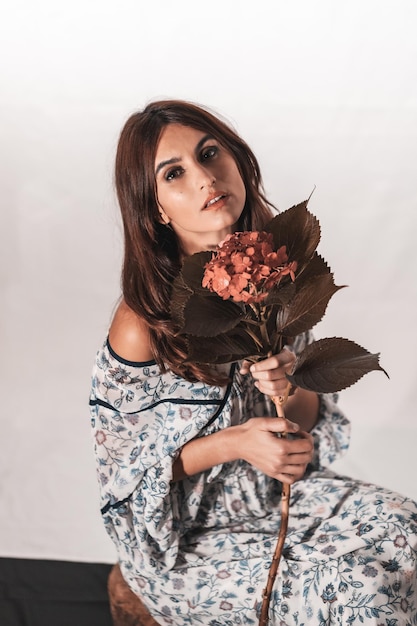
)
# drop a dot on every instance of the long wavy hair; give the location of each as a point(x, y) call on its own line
point(151, 249)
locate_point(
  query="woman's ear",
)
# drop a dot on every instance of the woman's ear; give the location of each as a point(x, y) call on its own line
point(163, 217)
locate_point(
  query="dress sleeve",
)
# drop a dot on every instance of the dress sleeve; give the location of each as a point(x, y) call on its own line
point(140, 419)
point(332, 431)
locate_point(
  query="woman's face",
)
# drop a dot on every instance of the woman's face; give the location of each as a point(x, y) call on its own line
point(199, 188)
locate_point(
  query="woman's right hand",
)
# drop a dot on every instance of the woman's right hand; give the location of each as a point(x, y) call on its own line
point(284, 459)
point(256, 442)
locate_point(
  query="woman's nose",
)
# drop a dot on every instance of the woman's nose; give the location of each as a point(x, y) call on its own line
point(206, 177)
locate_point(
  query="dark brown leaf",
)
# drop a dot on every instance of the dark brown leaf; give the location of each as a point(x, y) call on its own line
point(179, 298)
point(308, 306)
point(193, 270)
point(280, 294)
point(317, 266)
point(210, 316)
point(298, 230)
point(332, 364)
point(225, 348)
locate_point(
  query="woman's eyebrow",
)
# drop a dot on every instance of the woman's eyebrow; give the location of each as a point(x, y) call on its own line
point(175, 159)
point(168, 162)
point(202, 142)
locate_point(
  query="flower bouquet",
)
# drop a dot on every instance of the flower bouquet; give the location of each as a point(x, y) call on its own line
point(250, 297)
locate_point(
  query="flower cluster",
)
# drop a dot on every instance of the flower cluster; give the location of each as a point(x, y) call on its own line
point(245, 266)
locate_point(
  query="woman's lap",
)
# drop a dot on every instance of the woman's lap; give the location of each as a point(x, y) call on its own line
point(350, 555)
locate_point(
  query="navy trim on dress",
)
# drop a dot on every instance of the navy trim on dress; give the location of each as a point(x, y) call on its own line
point(226, 396)
point(99, 402)
point(221, 403)
point(125, 361)
point(115, 505)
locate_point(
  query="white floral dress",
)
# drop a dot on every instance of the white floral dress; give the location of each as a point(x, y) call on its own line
point(198, 551)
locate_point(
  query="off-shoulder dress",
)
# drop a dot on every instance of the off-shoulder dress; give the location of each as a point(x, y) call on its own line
point(198, 551)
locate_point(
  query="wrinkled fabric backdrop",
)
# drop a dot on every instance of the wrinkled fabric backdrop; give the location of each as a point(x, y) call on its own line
point(326, 95)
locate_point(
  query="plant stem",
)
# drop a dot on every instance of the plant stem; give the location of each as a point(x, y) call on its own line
point(279, 402)
point(253, 335)
point(264, 333)
point(259, 322)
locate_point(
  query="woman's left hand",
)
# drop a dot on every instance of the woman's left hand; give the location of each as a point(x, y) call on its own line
point(270, 373)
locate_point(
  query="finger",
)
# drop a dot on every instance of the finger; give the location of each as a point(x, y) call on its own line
point(305, 436)
point(296, 448)
point(301, 459)
point(301, 441)
point(284, 358)
point(289, 456)
point(278, 425)
point(273, 387)
point(294, 470)
point(278, 373)
point(273, 376)
point(271, 362)
point(289, 479)
point(244, 368)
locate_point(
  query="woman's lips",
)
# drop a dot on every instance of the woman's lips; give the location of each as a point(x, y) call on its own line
point(215, 201)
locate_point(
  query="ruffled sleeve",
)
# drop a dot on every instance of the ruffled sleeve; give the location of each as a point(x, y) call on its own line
point(332, 430)
point(141, 418)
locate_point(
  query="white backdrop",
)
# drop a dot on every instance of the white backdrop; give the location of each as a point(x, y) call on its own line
point(325, 93)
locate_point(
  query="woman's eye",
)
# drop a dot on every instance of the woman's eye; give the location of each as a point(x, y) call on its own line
point(209, 153)
point(175, 172)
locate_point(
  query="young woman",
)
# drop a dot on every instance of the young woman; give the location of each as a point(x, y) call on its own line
point(188, 461)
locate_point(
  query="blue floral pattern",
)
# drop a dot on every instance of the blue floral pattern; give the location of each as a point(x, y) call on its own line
point(198, 551)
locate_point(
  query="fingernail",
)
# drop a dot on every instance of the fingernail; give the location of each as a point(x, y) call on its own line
point(295, 425)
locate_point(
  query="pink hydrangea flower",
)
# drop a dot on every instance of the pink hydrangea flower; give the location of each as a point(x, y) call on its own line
point(245, 267)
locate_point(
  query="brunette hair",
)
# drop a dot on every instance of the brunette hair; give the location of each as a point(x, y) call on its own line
point(151, 249)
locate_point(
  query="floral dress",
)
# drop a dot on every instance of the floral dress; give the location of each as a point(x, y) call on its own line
point(198, 551)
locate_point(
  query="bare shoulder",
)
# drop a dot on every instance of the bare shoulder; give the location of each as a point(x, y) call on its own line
point(129, 335)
